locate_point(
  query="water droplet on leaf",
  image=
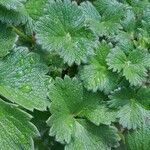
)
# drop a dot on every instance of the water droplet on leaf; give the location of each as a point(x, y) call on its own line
point(19, 74)
point(26, 88)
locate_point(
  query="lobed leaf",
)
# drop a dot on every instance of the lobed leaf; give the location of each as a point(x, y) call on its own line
point(69, 102)
point(134, 66)
point(62, 29)
point(132, 113)
point(95, 74)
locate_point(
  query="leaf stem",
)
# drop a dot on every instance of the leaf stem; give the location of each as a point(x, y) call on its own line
point(22, 35)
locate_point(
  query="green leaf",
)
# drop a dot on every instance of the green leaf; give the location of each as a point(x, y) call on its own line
point(124, 41)
point(70, 101)
point(95, 75)
point(93, 18)
point(110, 10)
point(139, 7)
point(7, 40)
point(12, 4)
point(143, 96)
point(62, 29)
point(97, 22)
point(95, 109)
point(91, 137)
point(23, 79)
point(16, 132)
point(129, 22)
point(35, 8)
point(144, 35)
point(139, 139)
point(134, 66)
point(132, 114)
point(13, 17)
point(100, 114)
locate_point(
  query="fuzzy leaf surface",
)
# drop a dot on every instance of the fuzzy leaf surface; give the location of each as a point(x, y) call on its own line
point(139, 139)
point(12, 4)
point(23, 79)
point(95, 74)
point(68, 101)
point(100, 23)
point(132, 113)
point(88, 136)
point(7, 40)
point(134, 66)
point(62, 29)
point(13, 17)
point(16, 130)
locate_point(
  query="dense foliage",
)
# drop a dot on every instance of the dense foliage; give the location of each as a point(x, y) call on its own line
point(75, 75)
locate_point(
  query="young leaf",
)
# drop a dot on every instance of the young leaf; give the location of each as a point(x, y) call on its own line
point(7, 40)
point(95, 75)
point(62, 29)
point(134, 66)
point(22, 79)
point(69, 102)
point(16, 132)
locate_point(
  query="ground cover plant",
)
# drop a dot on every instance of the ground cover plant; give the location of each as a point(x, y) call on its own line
point(74, 75)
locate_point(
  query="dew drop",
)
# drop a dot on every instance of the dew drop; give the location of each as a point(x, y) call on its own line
point(26, 88)
point(19, 74)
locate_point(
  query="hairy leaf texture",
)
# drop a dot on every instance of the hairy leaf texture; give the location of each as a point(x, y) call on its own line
point(143, 97)
point(12, 4)
point(139, 139)
point(88, 136)
point(7, 40)
point(16, 131)
point(80, 68)
point(35, 9)
point(95, 74)
point(62, 29)
point(124, 41)
point(13, 17)
point(23, 79)
point(129, 21)
point(69, 102)
point(111, 10)
point(101, 23)
point(144, 35)
point(139, 6)
point(132, 113)
point(133, 66)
